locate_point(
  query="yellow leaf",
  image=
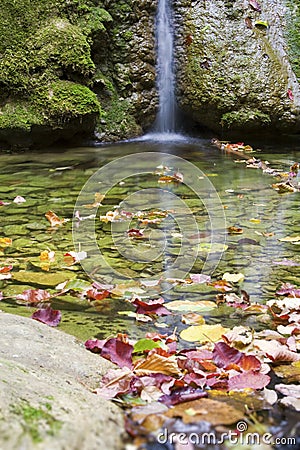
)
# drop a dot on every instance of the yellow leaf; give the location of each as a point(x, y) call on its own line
point(188, 305)
point(233, 277)
point(203, 333)
point(4, 243)
point(290, 239)
point(255, 220)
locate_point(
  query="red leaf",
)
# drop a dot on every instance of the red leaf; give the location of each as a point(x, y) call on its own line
point(118, 352)
point(34, 296)
point(254, 380)
point(290, 94)
point(94, 345)
point(153, 307)
point(135, 233)
point(48, 316)
point(6, 269)
point(223, 355)
point(94, 294)
point(184, 394)
point(249, 362)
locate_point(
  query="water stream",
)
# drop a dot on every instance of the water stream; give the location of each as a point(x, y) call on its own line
point(166, 118)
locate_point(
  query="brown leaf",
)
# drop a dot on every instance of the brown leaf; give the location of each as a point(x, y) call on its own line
point(157, 364)
point(54, 219)
point(217, 413)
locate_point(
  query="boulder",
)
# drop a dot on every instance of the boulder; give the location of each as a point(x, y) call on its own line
point(46, 391)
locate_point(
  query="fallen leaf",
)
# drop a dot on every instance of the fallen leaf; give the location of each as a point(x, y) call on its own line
point(291, 239)
point(291, 390)
point(153, 307)
point(199, 278)
point(203, 333)
point(118, 352)
point(235, 230)
point(54, 219)
point(136, 233)
point(48, 316)
point(290, 94)
point(233, 277)
point(33, 296)
point(193, 306)
point(4, 243)
point(212, 411)
point(182, 395)
point(18, 199)
point(246, 380)
point(157, 364)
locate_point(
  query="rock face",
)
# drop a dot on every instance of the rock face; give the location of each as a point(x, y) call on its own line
point(45, 392)
point(237, 64)
point(67, 68)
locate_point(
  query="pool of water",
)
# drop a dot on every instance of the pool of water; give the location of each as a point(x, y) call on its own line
point(53, 179)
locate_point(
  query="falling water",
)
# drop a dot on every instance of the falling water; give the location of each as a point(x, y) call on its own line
point(165, 121)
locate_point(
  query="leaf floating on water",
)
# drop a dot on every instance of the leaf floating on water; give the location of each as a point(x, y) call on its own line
point(214, 247)
point(153, 307)
point(192, 306)
point(48, 316)
point(136, 233)
point(18, 199)
point(235, 230)
point(54, 220)
point(71, 258)
point(203, 333)
point(291, 239)
point(4, 243)
point(233, 277)
point(199, 278)
point(33, 296)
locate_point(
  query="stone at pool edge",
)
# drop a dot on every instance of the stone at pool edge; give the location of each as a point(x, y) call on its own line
point(45, 369)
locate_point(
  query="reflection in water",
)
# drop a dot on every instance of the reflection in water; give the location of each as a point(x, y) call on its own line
point(52, 181)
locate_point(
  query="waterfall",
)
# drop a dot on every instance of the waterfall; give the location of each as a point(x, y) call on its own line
point(166, 117)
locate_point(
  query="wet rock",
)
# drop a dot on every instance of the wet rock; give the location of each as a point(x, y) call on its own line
point(234, 72)
point(46, 398)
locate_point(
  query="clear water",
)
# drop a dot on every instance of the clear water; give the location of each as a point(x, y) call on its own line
point(52, 180)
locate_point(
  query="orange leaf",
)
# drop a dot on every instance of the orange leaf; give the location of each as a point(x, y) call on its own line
point(54, 219)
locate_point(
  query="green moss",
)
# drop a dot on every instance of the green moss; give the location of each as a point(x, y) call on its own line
point(46, 61)
point(244, 117)
point(19, 114)
point(64, 100)
point(293, 35)
point(37, 421)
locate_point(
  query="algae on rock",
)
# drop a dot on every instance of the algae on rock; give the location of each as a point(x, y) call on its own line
point(66, 66)
point(233, 74)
